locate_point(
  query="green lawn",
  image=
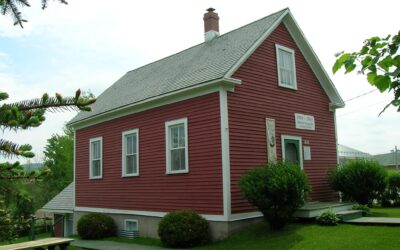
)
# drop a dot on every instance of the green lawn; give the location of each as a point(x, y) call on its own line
point(312, 236)
point(385, 212)
point(393, 171)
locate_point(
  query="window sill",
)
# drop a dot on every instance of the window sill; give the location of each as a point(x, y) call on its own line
point(129, 175)
point(287, 86)
point(177, 172)
point(95, 177)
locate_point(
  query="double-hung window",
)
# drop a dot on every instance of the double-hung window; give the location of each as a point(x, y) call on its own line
point(130, 153)
point(96, 161)
point(286, 67)
point(177, 146)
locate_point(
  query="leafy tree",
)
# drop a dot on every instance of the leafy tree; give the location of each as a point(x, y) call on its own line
point(59, 161)
point(11, 7)
point(379, 60)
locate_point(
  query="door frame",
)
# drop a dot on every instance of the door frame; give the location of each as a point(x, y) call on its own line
point(295, 138)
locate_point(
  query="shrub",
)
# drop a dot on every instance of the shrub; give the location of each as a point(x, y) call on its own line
point(364, 208)
point(96, 226)
point(391, 196)
point(277, 189)
point(359, 180)
point(328, 218)
point(183, 229)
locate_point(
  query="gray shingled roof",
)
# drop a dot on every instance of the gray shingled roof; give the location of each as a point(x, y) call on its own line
point(199, 64)
point(351, 153)
point(64, 201)
point(389, 159)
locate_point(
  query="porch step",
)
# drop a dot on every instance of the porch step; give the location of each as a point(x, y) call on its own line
point(375, 221)
point(349, 215)
point(315, 209)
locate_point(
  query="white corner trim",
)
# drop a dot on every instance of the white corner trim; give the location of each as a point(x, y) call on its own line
point(226, 176)
point(169, 98)
point(74, 168)
point(132, 131)
point(292, 137)
point(260, 40)
point(168, 124)
point(101, 158)
point(210, 217)
point(278, 62)
point(336, 137)
point(313, 60)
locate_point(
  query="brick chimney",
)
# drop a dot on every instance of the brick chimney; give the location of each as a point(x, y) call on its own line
point(211, 25)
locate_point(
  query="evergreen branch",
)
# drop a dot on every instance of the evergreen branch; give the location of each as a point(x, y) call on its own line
point(8, 149)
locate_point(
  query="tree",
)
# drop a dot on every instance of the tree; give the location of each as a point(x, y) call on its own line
point(21, 116)
point(379, 60)
point(59, 161)
point(11, 7)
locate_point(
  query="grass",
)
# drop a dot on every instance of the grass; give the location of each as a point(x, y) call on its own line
point(385, 212)
point(393, 171)
point(311, 236)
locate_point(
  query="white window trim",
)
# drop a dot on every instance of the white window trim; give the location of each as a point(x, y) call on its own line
point(278, 47)
point(167, 146)
point(100, 139)
point(130, 220)
point(133, 131)
point(291, 137)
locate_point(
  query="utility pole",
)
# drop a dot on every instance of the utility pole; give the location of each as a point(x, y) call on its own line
point(395, 157)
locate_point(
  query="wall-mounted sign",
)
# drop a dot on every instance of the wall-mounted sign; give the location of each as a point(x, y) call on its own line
point(307, 153)
point(304, 121)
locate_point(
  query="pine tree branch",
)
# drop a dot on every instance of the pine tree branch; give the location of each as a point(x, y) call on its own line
point(9, 149)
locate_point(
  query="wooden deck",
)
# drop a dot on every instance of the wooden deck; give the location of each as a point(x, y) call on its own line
point(48, 243)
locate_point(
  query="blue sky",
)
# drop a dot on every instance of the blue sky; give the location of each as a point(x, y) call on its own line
point(89, 46)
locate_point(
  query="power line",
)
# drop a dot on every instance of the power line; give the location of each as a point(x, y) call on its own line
point(362, 108)
point(367, 93)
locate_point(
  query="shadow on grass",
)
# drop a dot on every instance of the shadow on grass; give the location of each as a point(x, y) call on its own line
point(260, 236)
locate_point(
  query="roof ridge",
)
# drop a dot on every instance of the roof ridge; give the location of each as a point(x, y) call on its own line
point(179, 52)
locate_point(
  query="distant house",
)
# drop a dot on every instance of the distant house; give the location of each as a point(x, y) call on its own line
point(180, 132)
point(346, 153)
point(389, 160)
point(62, 208)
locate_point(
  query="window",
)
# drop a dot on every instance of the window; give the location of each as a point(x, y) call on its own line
point(96, 153)
point(177, 146)
point(130, 153)
point(131, 225)
point(286, 67)
point(291, 150)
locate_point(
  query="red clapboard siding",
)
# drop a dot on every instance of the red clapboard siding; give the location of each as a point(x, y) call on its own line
point(153, 190)
point(259, 97)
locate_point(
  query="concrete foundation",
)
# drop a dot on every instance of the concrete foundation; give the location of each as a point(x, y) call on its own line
point(148, 225)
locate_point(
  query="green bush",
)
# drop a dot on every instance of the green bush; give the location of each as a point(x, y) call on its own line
point(359, 180)
point(277, 189)
point(96, 226)
point(328, 218)
point(183, 229)
point(391, 196)
point(364, 208)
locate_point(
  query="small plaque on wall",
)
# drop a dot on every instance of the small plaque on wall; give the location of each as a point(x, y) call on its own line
point(304, 121)
point(307, 153)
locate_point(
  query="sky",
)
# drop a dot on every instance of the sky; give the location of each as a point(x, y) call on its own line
point(88, 45)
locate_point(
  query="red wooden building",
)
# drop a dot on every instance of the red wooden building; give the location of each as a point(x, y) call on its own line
point(180, 132)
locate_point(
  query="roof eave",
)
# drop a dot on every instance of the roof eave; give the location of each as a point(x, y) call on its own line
point(157, 101)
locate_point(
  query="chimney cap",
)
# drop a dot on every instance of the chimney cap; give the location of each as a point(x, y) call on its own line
point(210, 9)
